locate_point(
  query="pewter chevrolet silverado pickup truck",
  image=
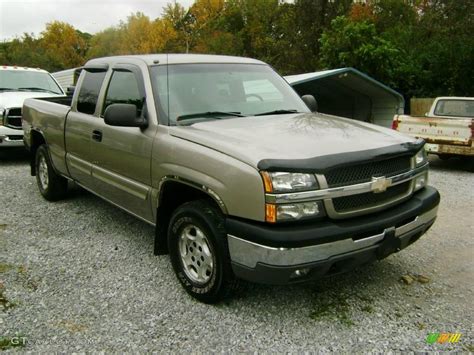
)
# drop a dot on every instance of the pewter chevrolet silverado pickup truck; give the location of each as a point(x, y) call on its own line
point(241, 179)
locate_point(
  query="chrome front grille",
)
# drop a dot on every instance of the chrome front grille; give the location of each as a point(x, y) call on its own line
point(362, 173)
point(370, 199)
point(13, 118)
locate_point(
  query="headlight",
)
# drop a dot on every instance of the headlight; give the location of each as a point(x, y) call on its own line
point(421, 157)
point(293, 211)
point(285, 182)
point(296, 211)
point(288, 182)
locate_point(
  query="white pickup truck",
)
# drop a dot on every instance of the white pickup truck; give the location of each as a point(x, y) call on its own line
point(448, 127)
point(16, 85)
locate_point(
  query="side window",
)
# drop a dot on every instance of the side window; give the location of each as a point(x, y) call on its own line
point(89, 92)
point(123, 89)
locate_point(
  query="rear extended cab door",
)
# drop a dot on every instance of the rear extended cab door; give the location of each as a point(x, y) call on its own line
point(78, 131)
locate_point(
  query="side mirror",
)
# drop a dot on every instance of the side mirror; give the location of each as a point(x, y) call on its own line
point(311, 102)
point(123, 115)
point(70, 90)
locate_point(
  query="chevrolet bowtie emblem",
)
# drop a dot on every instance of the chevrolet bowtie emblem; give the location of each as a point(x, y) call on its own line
point(380, 184)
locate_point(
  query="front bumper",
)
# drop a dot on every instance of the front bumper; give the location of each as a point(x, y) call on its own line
point(11, 137)
point(295, 254)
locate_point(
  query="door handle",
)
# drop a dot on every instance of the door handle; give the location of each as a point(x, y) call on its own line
point(97, 136)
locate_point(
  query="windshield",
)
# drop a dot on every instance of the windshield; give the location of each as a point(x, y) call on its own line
point(221, 91)
point(455, 108)
point(24, 80)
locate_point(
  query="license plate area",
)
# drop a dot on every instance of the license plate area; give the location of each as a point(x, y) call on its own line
point(431, 147)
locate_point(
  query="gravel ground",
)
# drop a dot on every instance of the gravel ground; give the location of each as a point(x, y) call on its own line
point(80, 275)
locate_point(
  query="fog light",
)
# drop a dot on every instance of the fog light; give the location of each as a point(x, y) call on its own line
point(421, 181)
point(299, 273)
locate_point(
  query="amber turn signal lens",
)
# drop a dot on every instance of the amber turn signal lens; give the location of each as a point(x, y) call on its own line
point(267, 181)
point(270, 213)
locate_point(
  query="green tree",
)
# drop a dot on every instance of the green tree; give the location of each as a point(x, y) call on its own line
point(358, 44)
point(64, 45)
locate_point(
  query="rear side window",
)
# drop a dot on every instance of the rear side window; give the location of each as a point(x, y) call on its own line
point(124, 89)
point(455, 108)
point(89, 92)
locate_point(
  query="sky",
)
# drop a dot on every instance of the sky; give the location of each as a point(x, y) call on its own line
point(31, 16)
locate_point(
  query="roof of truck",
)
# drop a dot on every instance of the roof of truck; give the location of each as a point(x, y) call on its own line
point(464, 98)
point(9, 67)
point(153, 59)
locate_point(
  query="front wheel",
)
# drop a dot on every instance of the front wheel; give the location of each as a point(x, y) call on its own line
point(52, 186)
point(197, 243)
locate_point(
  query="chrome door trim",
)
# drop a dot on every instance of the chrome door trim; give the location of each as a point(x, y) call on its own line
point(127, 185)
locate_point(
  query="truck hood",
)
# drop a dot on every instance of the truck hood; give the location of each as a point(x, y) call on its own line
point(290, 137)
point(9, 99)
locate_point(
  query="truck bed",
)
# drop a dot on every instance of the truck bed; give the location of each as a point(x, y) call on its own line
point(48, 115)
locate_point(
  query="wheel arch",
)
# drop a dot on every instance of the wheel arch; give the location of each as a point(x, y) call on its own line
point(173, 191)
point(36, 140)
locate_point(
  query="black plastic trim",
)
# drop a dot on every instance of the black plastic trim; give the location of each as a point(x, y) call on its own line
point(321, 164)
point(94, 68)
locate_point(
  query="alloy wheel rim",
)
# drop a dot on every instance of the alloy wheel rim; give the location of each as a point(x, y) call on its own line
point(43, 172)
point(196, 255)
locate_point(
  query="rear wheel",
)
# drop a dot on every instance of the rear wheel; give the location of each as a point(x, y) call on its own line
point(445, 156)
point(52, 186)
point(468, 163)
point(198, 249)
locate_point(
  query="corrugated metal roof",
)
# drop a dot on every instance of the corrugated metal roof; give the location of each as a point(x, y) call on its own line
point(301, 78)
point(306, 77)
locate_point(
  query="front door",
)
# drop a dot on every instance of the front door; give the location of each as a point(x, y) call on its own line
point(122, 172)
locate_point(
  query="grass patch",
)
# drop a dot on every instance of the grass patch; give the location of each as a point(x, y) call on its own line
point(420, 325)
point(333, 308)
point(4, 267)
point(367, 308)
point(11, 342)
point(4, 302)
point(71, 326)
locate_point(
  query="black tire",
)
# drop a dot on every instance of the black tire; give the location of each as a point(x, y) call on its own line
point(445, 156)
point(468, 163)
point(205, 219)
point(52, 186)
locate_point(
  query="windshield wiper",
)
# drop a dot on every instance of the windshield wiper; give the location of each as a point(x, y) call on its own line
point(7, 89)
point(276, 112)
point(212, 114)
point(38, 89)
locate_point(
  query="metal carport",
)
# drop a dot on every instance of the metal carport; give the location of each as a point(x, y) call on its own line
point(350, 93)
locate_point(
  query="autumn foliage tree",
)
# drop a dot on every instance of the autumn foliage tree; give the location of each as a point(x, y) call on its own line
point(419, 47)
point(63, 44)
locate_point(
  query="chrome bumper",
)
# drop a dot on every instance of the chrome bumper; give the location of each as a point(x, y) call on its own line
point(5, 141)
point(249, 254)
